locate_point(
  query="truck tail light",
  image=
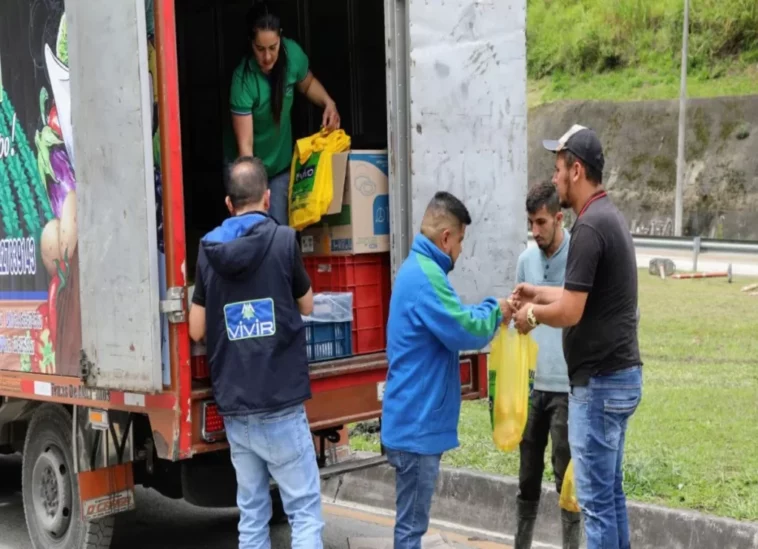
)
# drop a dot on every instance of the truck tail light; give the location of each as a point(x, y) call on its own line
point(213, 423)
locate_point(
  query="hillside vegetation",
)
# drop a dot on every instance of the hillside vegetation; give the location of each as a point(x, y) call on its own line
point(630, 49)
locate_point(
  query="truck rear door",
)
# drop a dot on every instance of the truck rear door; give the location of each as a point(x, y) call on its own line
point(111, 119)
point(463, 67)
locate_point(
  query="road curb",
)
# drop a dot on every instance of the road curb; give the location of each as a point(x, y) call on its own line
point(487, 502)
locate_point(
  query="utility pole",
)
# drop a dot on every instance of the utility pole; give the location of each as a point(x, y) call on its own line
point(678, 200)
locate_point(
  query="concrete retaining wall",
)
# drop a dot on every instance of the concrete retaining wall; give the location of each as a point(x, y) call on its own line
point(487, 502)
point(640, 141)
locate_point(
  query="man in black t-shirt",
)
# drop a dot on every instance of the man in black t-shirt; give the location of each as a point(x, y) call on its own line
point(597, 309)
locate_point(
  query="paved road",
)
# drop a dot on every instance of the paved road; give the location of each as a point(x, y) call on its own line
point(163, 523)
point(742, 264)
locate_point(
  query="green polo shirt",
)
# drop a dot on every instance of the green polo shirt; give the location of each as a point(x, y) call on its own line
point(250, 93)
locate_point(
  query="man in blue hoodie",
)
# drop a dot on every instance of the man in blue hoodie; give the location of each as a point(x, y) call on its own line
point(250, 290)
point(428, 327)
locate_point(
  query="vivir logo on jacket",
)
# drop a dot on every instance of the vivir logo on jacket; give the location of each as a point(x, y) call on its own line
point(250, 319)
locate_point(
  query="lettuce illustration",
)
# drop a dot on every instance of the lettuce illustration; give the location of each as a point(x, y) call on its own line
point(61, 46)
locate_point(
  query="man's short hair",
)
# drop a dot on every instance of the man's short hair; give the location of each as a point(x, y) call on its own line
point(593, 174)
point(543, 194)
point(445, 205)
point(247, 181)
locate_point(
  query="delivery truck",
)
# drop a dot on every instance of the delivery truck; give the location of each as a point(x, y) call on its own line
point(112, 122)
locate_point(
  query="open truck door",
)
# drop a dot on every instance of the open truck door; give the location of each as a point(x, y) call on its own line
point(111, 111)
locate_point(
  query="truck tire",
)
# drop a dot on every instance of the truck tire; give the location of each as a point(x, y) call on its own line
point(50, 490)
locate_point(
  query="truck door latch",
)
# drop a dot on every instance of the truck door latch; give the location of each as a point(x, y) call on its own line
point(174, 305)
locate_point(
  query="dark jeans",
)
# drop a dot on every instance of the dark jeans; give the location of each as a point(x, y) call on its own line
point(548, 415)
point(280, 188)
point(415, 481)
point(599, 414)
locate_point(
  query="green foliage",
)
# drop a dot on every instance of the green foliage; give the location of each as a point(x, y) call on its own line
point(599, 35)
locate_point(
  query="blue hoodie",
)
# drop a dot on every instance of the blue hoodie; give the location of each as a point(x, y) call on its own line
point(255, 334)
point(427, 329)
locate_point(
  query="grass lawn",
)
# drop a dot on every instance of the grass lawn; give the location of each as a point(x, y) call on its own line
point(693, 442)
point(631, 50)
point(639, 84)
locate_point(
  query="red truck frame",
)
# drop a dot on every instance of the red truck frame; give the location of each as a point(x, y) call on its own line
point(181, 420)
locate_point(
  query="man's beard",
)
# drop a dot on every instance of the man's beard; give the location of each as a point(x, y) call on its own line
point(564, 202)
point(546, 244)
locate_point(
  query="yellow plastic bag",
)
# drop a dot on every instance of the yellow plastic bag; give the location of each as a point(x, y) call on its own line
point(568, 499)
point(513, 358)
point(311, 187)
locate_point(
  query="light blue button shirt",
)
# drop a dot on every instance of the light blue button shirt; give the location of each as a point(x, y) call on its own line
point(536, 268)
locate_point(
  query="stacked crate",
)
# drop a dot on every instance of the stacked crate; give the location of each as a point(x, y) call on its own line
point(367, 277)
point(348, 250)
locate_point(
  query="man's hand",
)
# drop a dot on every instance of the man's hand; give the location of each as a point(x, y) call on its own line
point(520, 321)
point(524, 293)
point(507, 308)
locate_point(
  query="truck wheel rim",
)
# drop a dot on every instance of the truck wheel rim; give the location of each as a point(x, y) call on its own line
point(51, 492)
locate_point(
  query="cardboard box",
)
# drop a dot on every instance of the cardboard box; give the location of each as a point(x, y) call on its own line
point(357, 221)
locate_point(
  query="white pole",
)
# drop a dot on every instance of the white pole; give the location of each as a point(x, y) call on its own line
point(678, 207)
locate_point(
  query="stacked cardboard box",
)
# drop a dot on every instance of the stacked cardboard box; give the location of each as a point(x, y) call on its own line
point(357, 226)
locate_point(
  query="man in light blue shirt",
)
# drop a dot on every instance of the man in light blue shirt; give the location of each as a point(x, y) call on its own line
point(545, 265)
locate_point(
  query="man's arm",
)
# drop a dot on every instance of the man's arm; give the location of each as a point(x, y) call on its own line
point(459, 327)
point(197, 322)
point(542, 295)
point(301, 284)
point(548, 294)
point(585, 251)
point(197, 309)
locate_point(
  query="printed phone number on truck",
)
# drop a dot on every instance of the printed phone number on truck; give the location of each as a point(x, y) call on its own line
point(16, 345)
point(18, 256)
point(21, 320)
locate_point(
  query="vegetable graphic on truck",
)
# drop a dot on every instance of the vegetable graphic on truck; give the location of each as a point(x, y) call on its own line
point(38, 201)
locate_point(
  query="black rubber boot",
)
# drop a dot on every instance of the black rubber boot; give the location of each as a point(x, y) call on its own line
point(572, 529)
point(527, 516)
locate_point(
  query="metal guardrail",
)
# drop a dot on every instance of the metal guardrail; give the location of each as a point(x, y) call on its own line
point(696, 244)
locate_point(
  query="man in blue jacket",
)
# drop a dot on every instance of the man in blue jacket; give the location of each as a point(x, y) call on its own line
point(250, 290)
point(427, 328)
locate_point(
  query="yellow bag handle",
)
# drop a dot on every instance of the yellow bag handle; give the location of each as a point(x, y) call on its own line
point(319, 199)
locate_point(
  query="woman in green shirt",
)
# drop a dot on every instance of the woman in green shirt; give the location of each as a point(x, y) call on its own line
point(261, 96)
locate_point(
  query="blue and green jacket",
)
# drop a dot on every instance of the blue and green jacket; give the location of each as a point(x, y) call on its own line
point(427, 328)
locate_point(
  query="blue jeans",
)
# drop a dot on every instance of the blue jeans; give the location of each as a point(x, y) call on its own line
point(415, 481)
point(280, 444)
point(598, 417)
point(280, 189)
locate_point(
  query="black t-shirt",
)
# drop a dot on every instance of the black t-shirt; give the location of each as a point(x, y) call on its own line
point(602, 262)
point(301, 282)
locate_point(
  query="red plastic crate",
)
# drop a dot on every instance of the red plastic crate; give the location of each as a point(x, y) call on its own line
point(368, 277)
